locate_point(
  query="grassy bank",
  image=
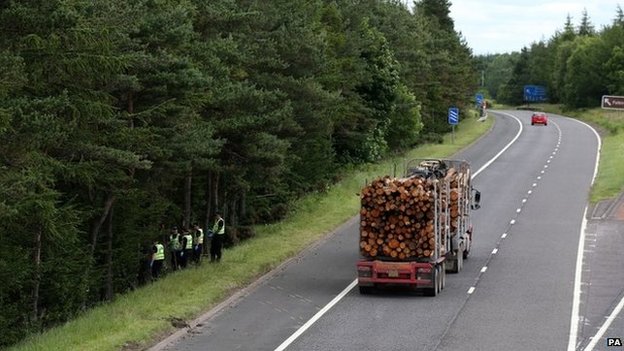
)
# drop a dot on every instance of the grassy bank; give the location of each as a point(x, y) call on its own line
point(610, 125)
point(136, 319)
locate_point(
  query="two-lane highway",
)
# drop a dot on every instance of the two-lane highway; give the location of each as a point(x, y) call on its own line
point(516, 291)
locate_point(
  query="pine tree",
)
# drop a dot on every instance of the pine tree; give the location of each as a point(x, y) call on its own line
point(586, 28)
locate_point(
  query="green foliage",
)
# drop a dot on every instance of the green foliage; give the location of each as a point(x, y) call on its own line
point(117, 117)
point(584, 85)
point(576, 66)
point(405, 124)
point(141, 317)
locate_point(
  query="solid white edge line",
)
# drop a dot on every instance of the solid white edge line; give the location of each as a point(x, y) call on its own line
point(576, 301)
point(605, 326)
point(316, 317)
point(575, 315)
point(331, 304)
point(487, 164)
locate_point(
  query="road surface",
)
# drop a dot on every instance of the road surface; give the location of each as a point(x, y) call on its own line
point(518, 289)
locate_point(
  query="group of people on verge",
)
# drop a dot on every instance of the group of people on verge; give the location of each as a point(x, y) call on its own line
point(187, 246)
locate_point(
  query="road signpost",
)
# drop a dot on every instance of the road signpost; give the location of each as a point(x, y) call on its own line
point(453, 119)
point(535, 93)
point(479, 99)
point(610, 102)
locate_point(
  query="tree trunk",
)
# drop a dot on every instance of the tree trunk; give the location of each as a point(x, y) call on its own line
point(188, 181)
point(233, 220)
point(242, 207)
point(212, 198)
point(130, 110)
point(34, 317)
point(109, 292)
point(97, 227)
point(95, 233)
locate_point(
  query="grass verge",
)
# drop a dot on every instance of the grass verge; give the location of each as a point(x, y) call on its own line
point(137, 319)
point(610, 124)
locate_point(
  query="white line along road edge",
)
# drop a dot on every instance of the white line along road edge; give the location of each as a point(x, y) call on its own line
point(576, 302)
point(353, 284)
point(316, 317)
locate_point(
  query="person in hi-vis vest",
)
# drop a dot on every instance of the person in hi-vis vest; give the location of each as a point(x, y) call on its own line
point(186, 242)
point(218, 237)
point(175, 248)
point(198, 243)
point(158, 257)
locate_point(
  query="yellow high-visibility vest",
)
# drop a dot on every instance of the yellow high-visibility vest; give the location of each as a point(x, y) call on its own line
point(189, 242)
point(216, 229)
point(160, 252)
point(200, 236)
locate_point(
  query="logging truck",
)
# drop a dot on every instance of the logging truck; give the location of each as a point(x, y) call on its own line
point(413, 229)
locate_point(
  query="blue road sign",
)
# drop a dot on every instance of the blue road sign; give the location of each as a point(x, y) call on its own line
point(453, 116)
point(535, 93)
point(479, 99)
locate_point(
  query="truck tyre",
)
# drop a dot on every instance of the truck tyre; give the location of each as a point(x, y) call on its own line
point(443, 276)
point(465, 254)
point(436, 284)
point(366, 290)
point(458, 263)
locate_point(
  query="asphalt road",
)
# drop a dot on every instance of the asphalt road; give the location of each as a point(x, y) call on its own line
point(516, 289)
point(602, 302)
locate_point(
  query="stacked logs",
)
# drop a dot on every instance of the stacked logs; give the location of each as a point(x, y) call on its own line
point(397, 216)
point(456, 182)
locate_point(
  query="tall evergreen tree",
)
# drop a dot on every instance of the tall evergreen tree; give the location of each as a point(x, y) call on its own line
point(586, 28)
point(439, 10)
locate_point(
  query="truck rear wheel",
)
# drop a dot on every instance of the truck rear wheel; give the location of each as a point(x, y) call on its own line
point(458, 262)
point(442, 276)
point(436, 284)
point(468, 246)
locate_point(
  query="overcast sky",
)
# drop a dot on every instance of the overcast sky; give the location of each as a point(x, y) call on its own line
point(499, 26)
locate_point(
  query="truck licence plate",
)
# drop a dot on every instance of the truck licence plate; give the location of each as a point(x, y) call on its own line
point(393, 273)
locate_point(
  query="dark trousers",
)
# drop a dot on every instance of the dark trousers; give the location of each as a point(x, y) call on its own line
point(198, 253)
point(216, 246)
point(188, 255)
point(175, 260)
point(156, 267)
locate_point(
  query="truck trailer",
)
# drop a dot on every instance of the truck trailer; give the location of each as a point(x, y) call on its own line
point(416, 228)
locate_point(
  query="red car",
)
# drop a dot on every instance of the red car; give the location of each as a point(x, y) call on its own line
point(539, 118)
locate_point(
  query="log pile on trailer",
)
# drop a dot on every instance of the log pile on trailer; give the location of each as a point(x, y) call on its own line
point(398, 215)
